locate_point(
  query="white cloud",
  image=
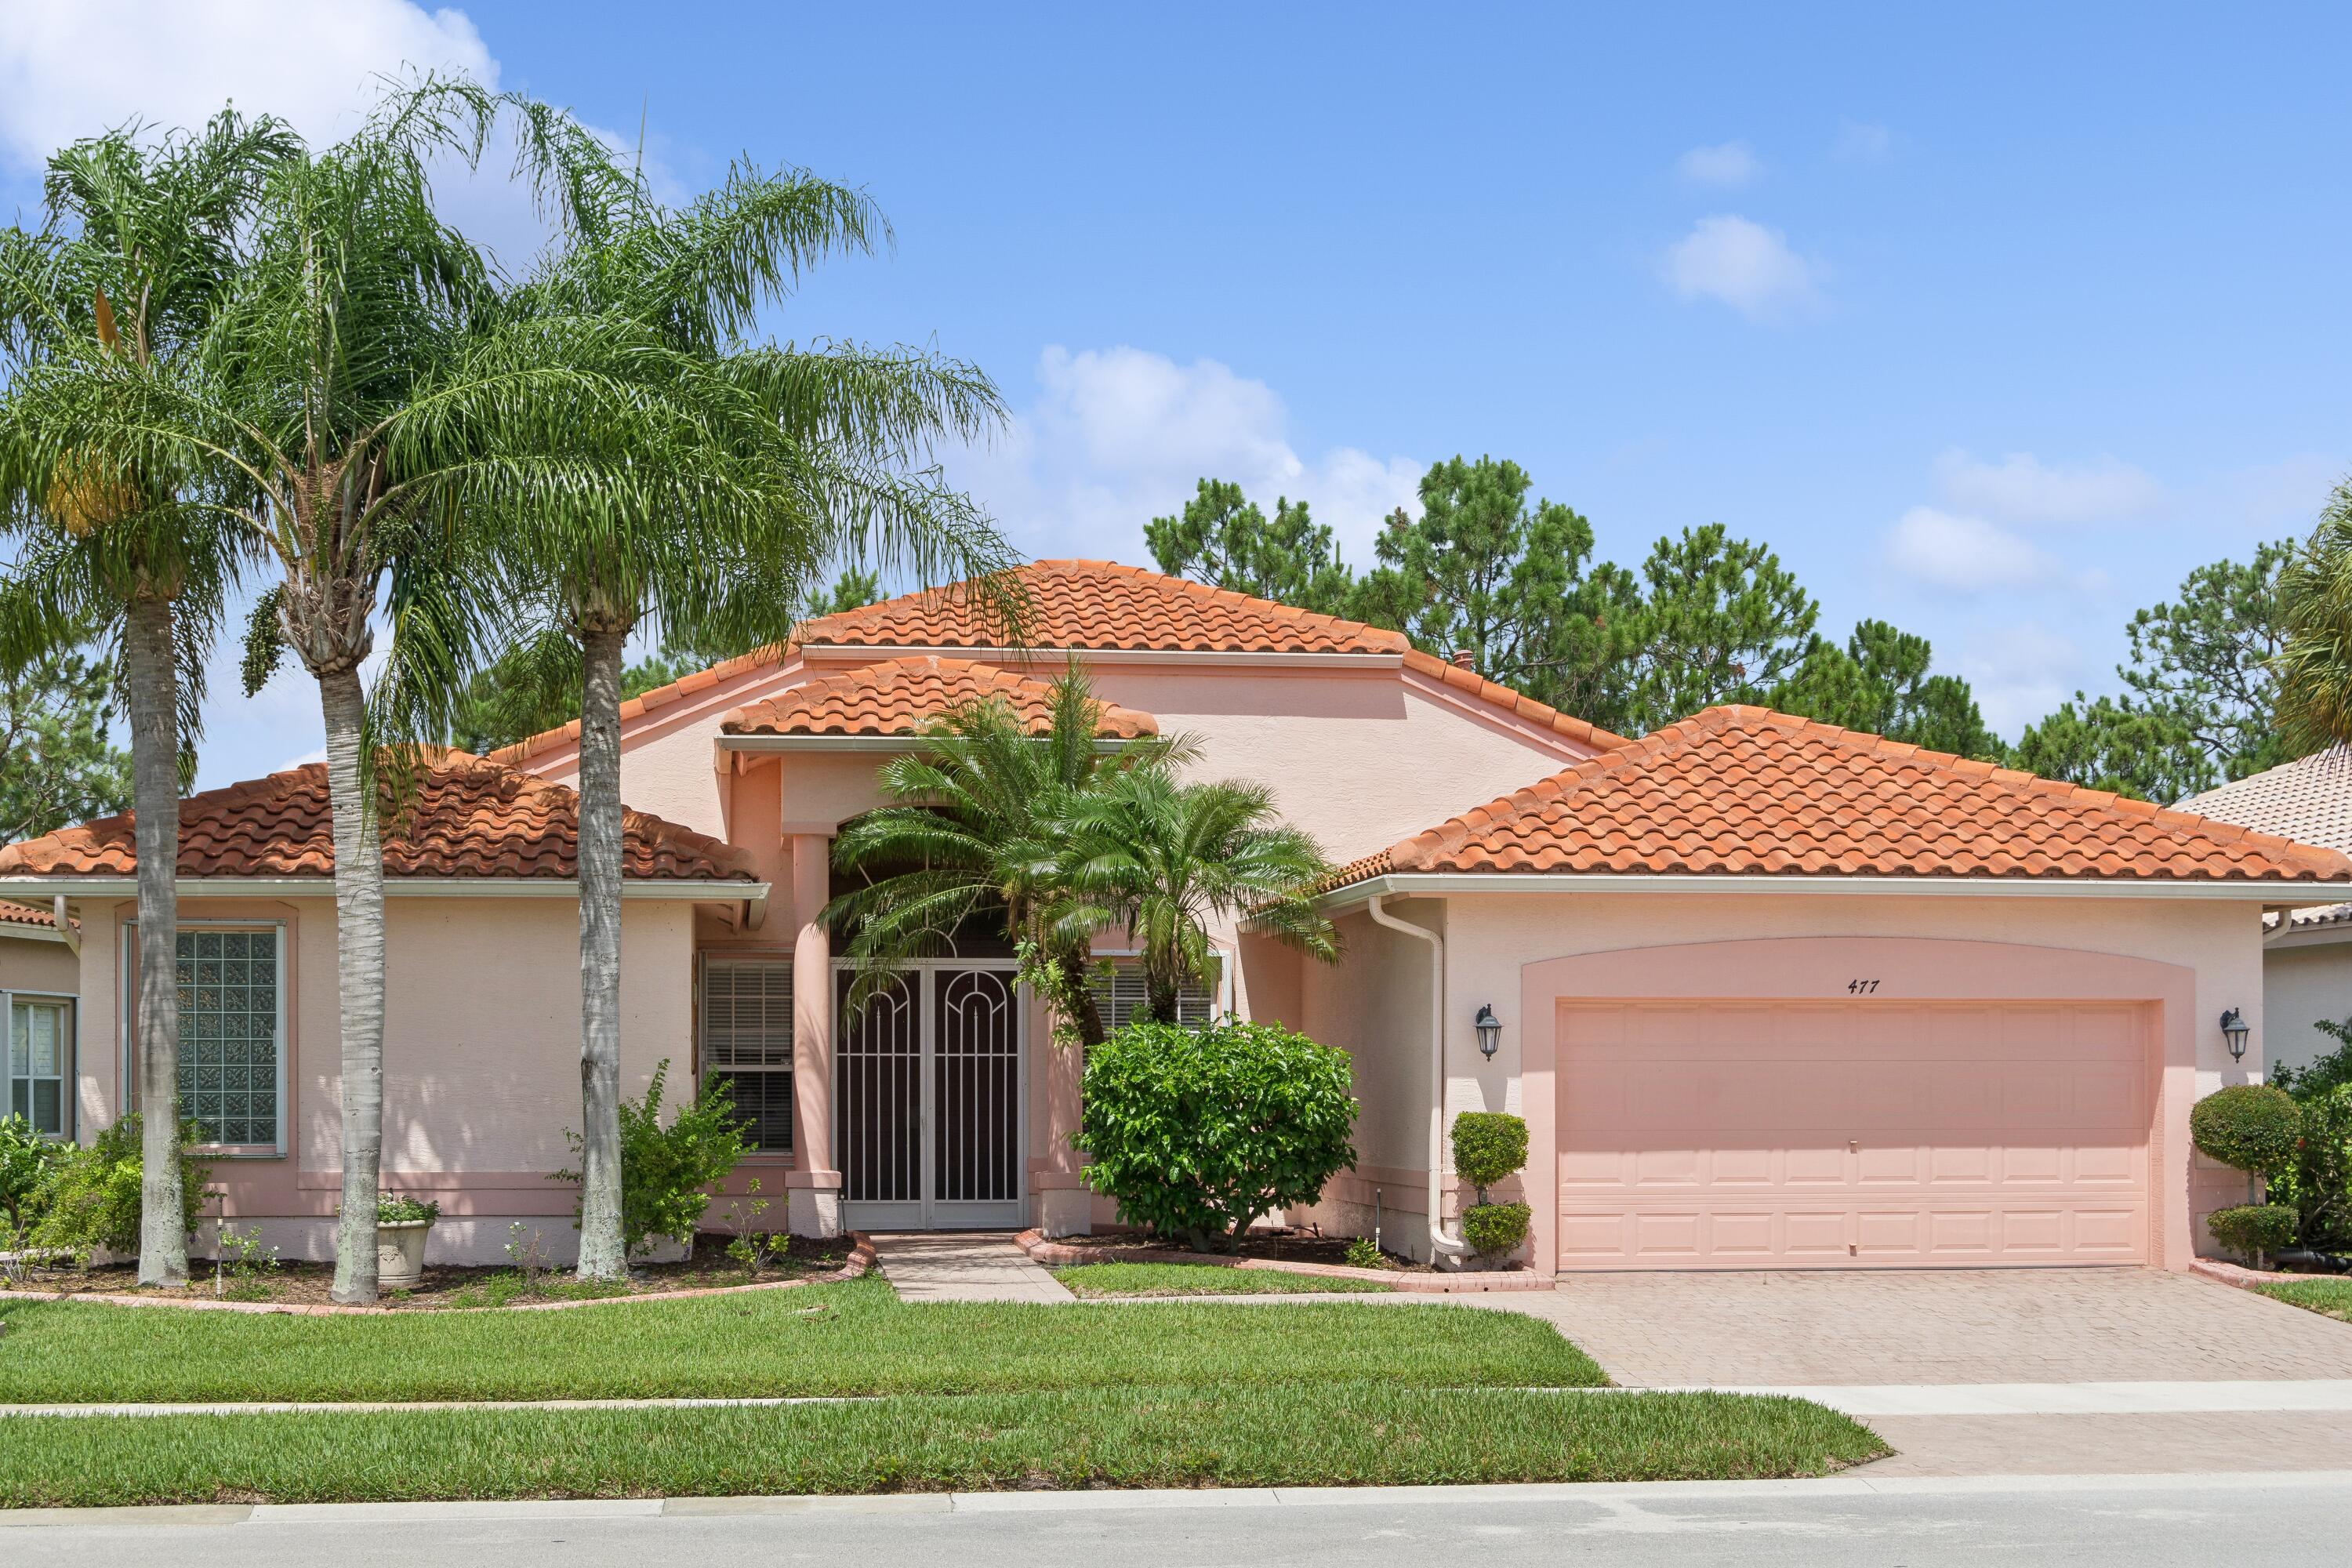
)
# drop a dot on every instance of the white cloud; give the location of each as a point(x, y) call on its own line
point(2019, 673)
point(2023, 487)
point(1860, 142)
point(1746, 266)
point(70, 70)
point(1961, 554)
point(1118, 436)
point(1725, 164)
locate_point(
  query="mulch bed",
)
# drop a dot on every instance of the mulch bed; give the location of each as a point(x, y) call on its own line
point(1283, 1246)
point(1291, 1252)
point(446, 1285)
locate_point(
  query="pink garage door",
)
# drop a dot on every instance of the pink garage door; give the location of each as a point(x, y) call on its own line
point(1789, 1135)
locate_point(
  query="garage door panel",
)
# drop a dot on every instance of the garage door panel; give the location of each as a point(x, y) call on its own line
point(1763, 1135)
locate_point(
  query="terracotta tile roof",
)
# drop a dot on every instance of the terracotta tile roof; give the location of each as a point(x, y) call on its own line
point(26, 915)
point(1096, 605)
point(902, 696)
point(1747, 792)
point(469, 818)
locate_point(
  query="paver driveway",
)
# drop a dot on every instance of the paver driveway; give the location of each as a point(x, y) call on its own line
point(2036, 1325)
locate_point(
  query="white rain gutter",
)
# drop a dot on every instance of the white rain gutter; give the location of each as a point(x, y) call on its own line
point(753, 896)
point(1438, 1240)
point(66, 931)
point(1441, 884)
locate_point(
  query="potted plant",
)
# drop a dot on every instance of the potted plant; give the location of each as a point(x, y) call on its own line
point(1489, 1147)
point(401, 1226)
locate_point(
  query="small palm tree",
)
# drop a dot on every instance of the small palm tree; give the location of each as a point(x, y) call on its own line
point(979, 829)
point(120, 536)
point(1164, 857)
point(2313, 694)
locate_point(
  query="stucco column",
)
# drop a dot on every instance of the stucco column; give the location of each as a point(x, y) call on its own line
point(1062, 1203)
point(813, 1187)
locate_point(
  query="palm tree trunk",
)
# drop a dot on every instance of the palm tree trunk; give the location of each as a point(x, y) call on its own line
point(1087, 1017)
point(359, 980)
point(602, 1254)
point(152, 683)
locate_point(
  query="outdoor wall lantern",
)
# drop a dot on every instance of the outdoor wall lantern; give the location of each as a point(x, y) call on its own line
point(2234, 1029)
point(1490, 1030)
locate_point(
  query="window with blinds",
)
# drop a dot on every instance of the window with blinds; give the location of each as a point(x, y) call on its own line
point(1119, 997)
point(747, 1043)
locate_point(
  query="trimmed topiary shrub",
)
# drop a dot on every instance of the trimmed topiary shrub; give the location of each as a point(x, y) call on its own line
point(1489, 1147)
point(1495, 1228)
point(2252, 1230)
point(1200, 1132)
point(2249, 1127)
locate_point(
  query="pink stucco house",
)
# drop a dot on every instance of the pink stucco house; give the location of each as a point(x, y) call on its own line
point(1770, 993)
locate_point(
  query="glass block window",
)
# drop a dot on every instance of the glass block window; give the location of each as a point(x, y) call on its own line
point(39, 1062)
point(228, 1034)
point(1119, 997)
point(747, 1043)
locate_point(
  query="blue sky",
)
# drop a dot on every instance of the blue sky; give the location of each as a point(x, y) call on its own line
point(1992, 324)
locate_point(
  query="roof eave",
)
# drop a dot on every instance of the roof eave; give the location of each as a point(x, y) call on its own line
point(2270, 894)
point(733, 743)
point(753, 896)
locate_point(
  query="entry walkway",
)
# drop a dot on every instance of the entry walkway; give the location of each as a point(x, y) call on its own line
point(963, 1266)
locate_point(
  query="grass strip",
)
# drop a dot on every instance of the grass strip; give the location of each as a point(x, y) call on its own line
point(1203, 1279)
point(1356, 1433)
point(856, 1338)
point(2329, 1297)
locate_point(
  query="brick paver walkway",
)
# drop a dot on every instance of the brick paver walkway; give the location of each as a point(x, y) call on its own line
point(2025, 1325)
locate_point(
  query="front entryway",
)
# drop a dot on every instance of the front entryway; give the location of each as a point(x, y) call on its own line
point(927, 1091)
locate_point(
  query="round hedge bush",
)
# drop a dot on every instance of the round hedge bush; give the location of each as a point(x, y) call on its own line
point(2249, 1127)
point(2251, 1229)
point(1489, 1146)
point(1495, 1228)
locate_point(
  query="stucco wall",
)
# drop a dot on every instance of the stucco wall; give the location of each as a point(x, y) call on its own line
point(2301, 986)
point(36, 965)
point(481, 1058)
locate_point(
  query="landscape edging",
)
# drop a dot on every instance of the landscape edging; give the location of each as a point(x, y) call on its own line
point(859, 1262)
point(1059, 1255)
point(2224, 1271)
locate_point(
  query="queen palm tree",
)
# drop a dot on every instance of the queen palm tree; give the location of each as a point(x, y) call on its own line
point(1163, 857)
point(757, 463)
point(979, 829)
point(118, 536)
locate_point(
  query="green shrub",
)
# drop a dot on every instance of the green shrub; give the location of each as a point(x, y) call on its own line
point(2251, 1127)
point(2252, 1230)
point(27, 1159)
point(2319, 1184)
point(2328, 1070)
point(666, 1172)
point(1488, 1148)
point(1495, 1228)
point(399, 1208)
point(91, 1196)
point(1363, 1254)
point(1197, 1133)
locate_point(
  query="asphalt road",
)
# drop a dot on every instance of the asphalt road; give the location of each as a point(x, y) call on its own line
point(2278, 1521)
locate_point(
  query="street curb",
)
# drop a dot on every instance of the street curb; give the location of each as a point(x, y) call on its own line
point(1851, 1484)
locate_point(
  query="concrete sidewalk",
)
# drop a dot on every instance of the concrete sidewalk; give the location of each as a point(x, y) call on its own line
point(969, 1266)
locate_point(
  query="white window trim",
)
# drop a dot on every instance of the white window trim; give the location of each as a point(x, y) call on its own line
point(704, 959)
point(130, 1079)
point(69, 1080)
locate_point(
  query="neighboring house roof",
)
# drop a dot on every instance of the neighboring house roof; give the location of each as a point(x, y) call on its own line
point(1097, 606)
point(2308, 799)
point(904, 695)
point(26, 915)
point(467, 818)
point(1739, 791)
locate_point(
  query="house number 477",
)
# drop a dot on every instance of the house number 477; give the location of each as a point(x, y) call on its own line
point(1859, 987)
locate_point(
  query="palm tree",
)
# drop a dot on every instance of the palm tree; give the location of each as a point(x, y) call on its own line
point(1163, 857)
point(119, 536)
point(755, 463)
point(979, 827)
point(2313, 699)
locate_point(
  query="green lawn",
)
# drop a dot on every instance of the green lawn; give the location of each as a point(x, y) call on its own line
point(1201, 1280)
point(2331, 1297)
point(1311, 1434)
point(855, 1337)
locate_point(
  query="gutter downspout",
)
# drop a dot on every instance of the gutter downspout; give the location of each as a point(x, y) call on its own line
point(1452, 1246)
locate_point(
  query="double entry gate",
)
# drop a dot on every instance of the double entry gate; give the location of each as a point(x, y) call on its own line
point(928, 1093)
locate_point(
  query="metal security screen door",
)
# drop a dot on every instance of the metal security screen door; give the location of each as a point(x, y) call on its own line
point(928, 1097)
